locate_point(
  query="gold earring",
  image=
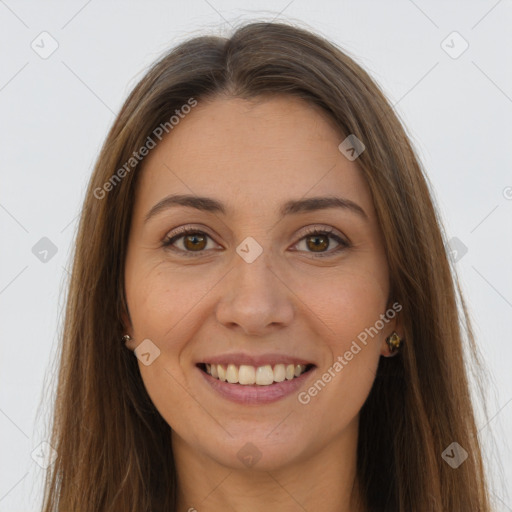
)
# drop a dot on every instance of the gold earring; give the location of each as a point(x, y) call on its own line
point(394, 342)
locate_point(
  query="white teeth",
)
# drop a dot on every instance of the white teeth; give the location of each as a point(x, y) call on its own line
point(232, 374)
point(246, 374)
point(264, 375)
point(279, 372)
point(250, 375)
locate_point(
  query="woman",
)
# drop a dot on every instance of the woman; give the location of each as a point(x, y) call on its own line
point(261, 313)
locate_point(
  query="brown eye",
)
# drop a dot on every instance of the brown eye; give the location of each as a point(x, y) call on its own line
point(318, 242)
point(187, 242)
point(196, 241)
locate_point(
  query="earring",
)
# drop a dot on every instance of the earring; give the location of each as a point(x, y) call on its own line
point(394, 342)
point(126, 338)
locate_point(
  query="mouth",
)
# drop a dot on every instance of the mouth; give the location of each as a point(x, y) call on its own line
point(248, 375)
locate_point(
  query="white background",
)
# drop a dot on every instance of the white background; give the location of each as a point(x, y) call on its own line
point(55, 114)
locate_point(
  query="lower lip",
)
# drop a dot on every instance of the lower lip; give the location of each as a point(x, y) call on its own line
point(255, 394)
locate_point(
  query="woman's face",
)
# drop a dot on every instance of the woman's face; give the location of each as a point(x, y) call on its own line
point(252, 287)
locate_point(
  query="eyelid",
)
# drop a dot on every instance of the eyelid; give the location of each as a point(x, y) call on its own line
point(185, 229)
point(315, 228)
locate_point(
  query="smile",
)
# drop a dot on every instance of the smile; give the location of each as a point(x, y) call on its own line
point(247, 375)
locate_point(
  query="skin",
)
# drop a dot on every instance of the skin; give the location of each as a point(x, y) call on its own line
point(253, 156)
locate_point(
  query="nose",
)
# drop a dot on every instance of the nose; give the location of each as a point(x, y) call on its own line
point(255, 299)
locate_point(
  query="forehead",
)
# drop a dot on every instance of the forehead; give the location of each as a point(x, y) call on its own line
point(252, 154)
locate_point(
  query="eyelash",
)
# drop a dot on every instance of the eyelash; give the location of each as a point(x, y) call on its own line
point(168, 241)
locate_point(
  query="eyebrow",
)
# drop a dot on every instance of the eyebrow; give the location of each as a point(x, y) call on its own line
point(294, 206)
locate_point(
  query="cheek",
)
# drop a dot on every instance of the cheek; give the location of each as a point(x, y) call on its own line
point(347, 302)
point(351, 306)
point(160, 299)
point(163, 306)
point(159, 313)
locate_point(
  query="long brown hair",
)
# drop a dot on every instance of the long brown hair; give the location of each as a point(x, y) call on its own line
point(114, 450)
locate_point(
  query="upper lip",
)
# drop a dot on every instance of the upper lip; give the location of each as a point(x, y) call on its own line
point(239, 358)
